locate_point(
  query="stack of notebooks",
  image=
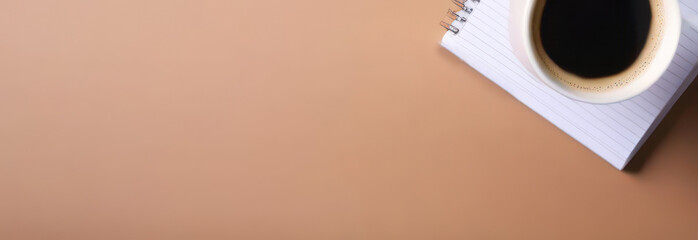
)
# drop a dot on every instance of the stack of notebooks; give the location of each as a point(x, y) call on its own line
point(613, 131)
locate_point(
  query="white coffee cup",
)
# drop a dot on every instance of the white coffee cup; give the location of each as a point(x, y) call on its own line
point(521, 32)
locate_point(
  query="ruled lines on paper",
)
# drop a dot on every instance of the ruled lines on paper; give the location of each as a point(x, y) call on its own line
point(613, 131)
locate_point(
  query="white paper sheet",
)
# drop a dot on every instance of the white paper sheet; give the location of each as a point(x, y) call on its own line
point(613, 131)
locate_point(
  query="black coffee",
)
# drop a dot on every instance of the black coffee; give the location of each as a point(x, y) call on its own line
point(595, 38)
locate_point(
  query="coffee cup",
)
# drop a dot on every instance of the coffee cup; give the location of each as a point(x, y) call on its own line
point(596, 51)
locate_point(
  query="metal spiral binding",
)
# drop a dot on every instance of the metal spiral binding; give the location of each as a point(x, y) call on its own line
point(450, 27)
point(454, 16)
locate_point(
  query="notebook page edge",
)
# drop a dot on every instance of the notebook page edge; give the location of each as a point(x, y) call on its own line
point(677, 95)
point(449, 41)
point(614, 161)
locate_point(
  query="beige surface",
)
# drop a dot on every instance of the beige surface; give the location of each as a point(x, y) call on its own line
point(297, 120)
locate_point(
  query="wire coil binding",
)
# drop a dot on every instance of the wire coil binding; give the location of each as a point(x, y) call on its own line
point(450, 27)
point(461, 15)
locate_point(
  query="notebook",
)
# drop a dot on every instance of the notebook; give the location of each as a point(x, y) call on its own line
point(479, 36)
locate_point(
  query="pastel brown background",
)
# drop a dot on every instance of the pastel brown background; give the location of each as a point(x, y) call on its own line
point(298, 120)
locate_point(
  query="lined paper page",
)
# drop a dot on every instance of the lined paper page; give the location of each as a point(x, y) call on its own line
point(613, 131)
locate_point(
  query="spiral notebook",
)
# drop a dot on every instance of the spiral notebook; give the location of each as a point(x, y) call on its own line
point(477, 34)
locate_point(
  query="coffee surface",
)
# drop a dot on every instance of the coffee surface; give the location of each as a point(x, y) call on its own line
point(593, 39)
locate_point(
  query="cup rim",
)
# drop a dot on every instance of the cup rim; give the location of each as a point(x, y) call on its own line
point(660, 62)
